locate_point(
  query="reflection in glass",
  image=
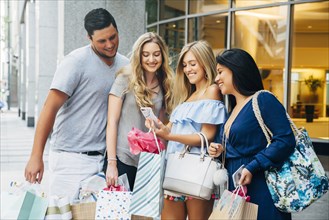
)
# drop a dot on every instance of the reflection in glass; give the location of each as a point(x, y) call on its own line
point(262, 32)
point(310, 62)
point(245, 3)
point(197, 6)
point(171, 8)
point(174, 35)
point(210, 28)
point(151, 10)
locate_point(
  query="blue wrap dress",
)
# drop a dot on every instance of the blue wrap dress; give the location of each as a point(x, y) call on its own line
point(246, 145)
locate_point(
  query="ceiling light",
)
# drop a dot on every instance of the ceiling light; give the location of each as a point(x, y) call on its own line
point(309, 26)
point(217, 21)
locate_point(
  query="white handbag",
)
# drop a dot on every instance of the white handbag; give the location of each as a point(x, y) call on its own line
point(191, 174)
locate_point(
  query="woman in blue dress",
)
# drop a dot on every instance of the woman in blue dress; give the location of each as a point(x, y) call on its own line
point(198, 107)
point(242, 137)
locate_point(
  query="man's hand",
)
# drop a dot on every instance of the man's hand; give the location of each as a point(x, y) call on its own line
point(34, 170)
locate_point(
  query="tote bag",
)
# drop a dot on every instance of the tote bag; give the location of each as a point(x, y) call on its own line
point(301, 180)
point(191, 174)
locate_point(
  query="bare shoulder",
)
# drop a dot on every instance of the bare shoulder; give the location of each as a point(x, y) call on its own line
point(213, 92)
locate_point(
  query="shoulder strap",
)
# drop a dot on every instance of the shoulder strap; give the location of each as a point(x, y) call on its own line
point(267, 132)
point(255, 107)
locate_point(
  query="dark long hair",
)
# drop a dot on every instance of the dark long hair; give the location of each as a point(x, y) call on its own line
point(98, 19)
point(246, 76)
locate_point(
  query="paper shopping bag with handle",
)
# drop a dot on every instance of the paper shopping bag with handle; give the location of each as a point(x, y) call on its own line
point(83, 211)
point(147, 194)
point(25, 203)
point(233, 206)
point(113, 205)
point(58, 208)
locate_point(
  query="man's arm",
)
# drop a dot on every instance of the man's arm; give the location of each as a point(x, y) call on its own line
point(35, 167)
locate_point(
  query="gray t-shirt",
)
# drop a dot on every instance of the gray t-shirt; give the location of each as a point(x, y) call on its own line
point(131, 116)
point(80, 123)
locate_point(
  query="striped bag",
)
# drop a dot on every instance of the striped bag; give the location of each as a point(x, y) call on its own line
point(147, 196)
point(58, 208)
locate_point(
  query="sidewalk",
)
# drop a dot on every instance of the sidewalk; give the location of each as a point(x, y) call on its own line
point(16, 141)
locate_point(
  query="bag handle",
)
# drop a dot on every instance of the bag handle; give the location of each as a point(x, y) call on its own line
point(202, 153)
point(156, 140)
point(267, 132)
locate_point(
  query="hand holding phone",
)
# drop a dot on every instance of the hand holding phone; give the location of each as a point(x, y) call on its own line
point(148, 113)
point(237, 175)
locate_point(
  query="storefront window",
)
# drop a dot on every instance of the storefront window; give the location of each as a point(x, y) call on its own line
point(210, 28)
point(197, 6)
point(246, 3)
point(151, 10)
point(262, 32)
point(152, 29)
point(171, 8)
point(174, 35)
point(310, 68)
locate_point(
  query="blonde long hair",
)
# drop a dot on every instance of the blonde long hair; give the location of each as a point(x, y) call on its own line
point(202, 51)
point(143, 95)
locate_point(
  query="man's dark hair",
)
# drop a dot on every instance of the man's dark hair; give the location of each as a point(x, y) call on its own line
point(98, 19)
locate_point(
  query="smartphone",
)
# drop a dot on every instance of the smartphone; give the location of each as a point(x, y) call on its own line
point(148, 113)
point(237, 175)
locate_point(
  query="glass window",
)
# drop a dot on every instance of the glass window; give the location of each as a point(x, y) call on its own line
point(171, 8)
point(262, 32)
point(174, 35)
point(152, 29)
point(310, 68)
point(197, 6)
point(246, 3)
point(151, 10)
point(210, 28)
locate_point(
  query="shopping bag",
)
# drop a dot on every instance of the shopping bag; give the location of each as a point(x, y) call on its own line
point(58, 208)
point(90, 187)
point(147, 195)
point(83, 211)
point(26, 205)
point(140, 141)
point(233, 206)
point(113, 205)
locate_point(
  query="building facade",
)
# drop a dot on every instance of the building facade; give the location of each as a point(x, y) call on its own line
point(288, 39)
point(37, 34)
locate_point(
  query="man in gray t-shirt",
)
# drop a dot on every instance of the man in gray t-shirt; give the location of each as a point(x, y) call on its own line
point(76, 109)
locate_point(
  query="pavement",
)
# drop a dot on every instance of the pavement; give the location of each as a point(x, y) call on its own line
point(16, 141)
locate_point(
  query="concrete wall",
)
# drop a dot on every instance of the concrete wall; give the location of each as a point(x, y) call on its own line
point(72, 13)
point(50, 30)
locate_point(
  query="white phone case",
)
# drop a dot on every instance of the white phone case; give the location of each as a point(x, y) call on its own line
point(237, 175)
point(148, 113)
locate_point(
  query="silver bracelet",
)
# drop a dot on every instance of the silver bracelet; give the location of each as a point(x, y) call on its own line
point(109, 159)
